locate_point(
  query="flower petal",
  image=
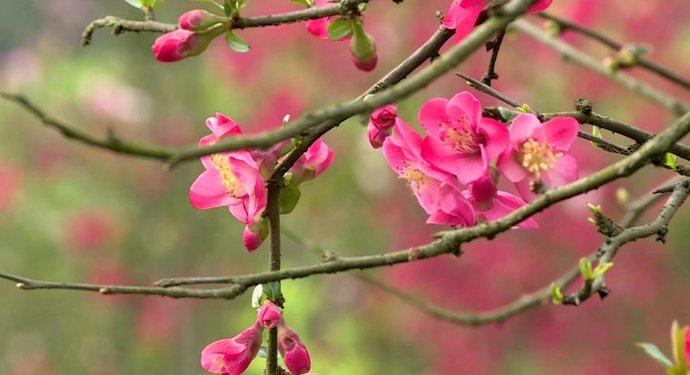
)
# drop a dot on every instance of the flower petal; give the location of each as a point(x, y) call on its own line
point(561, 132)
point(497, 137)
point(207, 191)
point(509, 166)
point(522, 128)
point(432, 115)
point(465, 104)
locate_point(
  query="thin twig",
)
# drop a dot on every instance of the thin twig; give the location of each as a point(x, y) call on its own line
point(640, 61)
point(495, 45)
point(572, 54)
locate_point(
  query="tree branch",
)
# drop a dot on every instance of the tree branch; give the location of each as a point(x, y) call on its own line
point(640, 61)
point(572, 54)
point(121, 25)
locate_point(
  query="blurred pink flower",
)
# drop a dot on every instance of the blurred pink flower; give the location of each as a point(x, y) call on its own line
point(491, 204)
point(90, 230)
point(381, 123)
point(463, 14)
point(232, 356)
point(231, 179)
point(293, 351)
point(436, 190)
point(539, 152)
point(180, 44)
point(687, 346)
point(312, 163)
point(460, 141)
point(269, 315)
point(10, 187)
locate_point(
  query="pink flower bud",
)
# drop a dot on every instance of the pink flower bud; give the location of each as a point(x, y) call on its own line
point(255, 234)
point(314, 162)
point(363, 48)
point(232, 356)
point(269, 315)
point(179, 44)
point(381, 125)
point(199, 20)
point(293, 351)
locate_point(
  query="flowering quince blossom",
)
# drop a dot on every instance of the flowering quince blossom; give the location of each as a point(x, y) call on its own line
point(231, 179)
point(436, 190)
point(491, 204)
point(180, 44)
point(463, 14)
point(381, 125)
point(460, 140)
point(539, 152)
point(312, 163)
point(198, 20)
point(293, 351)
point(232, 356)
point(269, 315)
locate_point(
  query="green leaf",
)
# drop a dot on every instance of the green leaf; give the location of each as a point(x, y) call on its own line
point(586, 269)
point(236, 43)
point(597, 133)
point(289, 196)
point(601, 270)
point(272, 291)
point(655, 353)
point(523, 109)
point(308, 3)
point(227, 8)
point(670, 161)
point(556, 294)
point(135, 3)
point(506, 114)
point(339, 29)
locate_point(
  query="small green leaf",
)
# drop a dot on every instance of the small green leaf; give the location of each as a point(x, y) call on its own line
point(272, 291)
point(227, 8)
point(339, 29)
point(236, 43)
point(671, 161)
point(586, 269)
point(597, 133)
point(602, 269)
point(135, 3)
point(308, 3)
point(655, 353)
point(506, 114)
point(556, 294)
point(289, 196)
point(523, 109)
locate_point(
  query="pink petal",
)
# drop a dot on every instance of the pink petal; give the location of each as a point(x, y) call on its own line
point(466, 17)
point(564, 172)
point(465, 104)
point(522, 128)
point(472, 168)
point(432, 115)
point(394, 156)
point(510, 167)
point(497, 137)
point(222, 125)
point(539, 6)
point(508, 203)
point(523, 187)
point(436, 154)
point(207, 191)
point(560, 132)
point(318, 28)
point(407, 138)
point(449, 20)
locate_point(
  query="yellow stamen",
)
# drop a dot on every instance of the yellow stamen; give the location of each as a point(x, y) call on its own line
point(538, 157)
point(229, 180)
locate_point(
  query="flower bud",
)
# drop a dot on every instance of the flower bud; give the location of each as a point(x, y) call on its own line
point(232, 356)
point(293, 351)
point(254, 234)
point(363, 48)
point(199, 20)
point(179, 44)
point(312, 163)
point(269, 315)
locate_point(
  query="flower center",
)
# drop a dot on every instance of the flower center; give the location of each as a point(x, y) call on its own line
point(228, 179)
point(416, 179)
point(459, 137)
point(538, 157)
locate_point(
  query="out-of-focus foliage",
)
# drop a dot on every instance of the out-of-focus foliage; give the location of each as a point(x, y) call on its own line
point(71, 213)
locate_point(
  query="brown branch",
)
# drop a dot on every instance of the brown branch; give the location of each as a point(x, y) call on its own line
point(640, 61)
point(572, 54)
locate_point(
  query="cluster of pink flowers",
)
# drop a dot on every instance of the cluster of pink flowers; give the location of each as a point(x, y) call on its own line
point(233, 356)
point(362, 46)
point(236, 179)
point(462, 15)
point(453, 171)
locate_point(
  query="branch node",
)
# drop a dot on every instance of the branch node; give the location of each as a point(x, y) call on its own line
point(583, 106)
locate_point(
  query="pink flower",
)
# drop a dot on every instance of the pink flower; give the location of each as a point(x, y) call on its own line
point(198, 20)
point(293, 351)
point(463, 14)
point(437, 191)
point(460, 141)
point(232, 356)
point(319, 27)
point(312, 163)
point(539, 152)
point(179, 44)
point(255, 233)
point(492, 204)
point(381, 125)
point(269, 315)
point(231, 179)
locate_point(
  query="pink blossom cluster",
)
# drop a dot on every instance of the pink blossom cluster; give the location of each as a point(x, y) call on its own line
point(454, 170)
point(463, 15)
point(236, 179)
point(233, 356)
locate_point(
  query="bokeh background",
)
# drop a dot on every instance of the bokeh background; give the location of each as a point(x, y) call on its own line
point(72, 213)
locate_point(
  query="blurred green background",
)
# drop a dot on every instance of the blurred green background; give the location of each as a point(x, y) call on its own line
point(72, 213)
